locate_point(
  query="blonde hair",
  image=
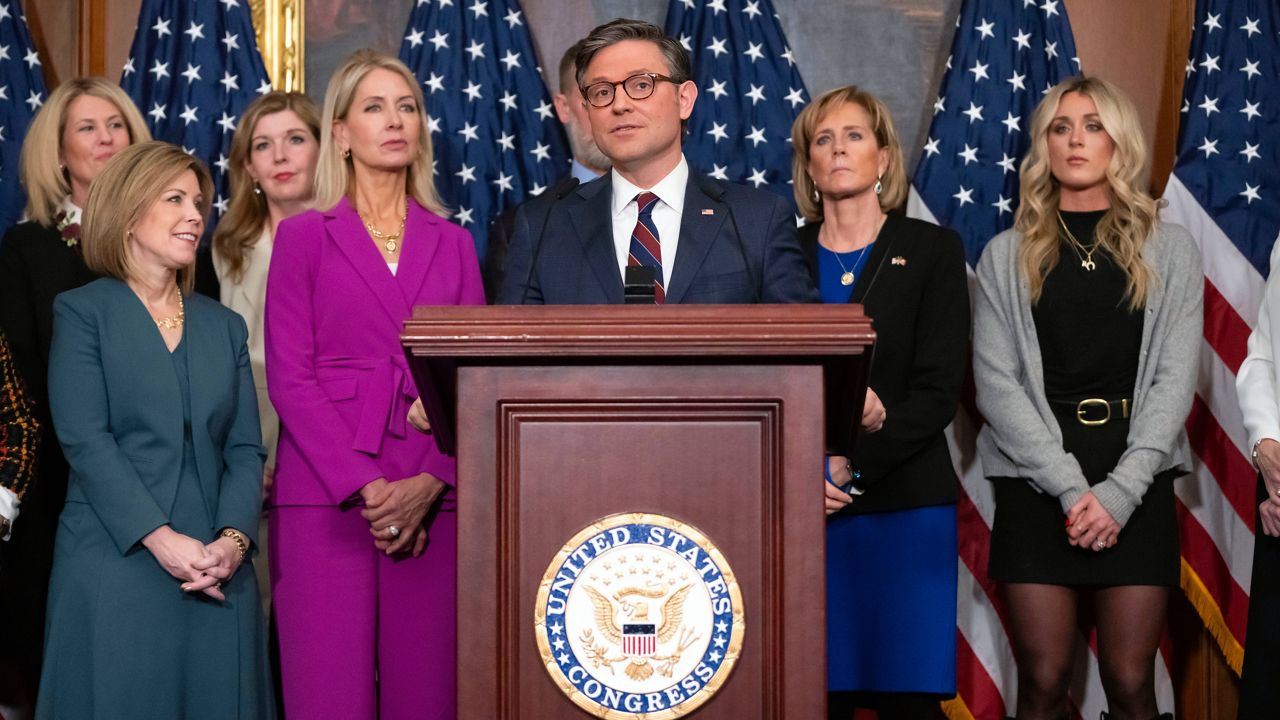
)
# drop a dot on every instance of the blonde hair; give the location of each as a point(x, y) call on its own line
point(894, 181)
point(42, 175)
point(335, 174)
point(241, 226)
point(121, 195)
point(1129, 221)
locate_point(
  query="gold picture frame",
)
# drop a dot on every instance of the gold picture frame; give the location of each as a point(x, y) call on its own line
point(279, 27)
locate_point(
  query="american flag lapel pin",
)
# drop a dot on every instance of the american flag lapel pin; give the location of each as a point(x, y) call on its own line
point(708, 211)
point(898, 260)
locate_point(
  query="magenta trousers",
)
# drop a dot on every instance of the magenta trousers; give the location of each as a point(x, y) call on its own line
point(362, 636)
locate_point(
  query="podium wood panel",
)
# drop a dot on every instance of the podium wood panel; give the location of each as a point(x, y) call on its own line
point(713, 416)
point(714, 457)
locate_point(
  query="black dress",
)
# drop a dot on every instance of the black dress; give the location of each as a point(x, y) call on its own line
point(1089, 344)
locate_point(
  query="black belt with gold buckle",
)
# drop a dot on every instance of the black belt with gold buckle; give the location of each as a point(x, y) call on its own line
point(1095, 411)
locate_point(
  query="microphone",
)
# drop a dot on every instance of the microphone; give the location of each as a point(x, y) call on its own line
point(558, 193)
point(716, 192)
point(638, 285)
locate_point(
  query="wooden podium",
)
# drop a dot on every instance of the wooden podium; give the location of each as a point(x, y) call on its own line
point(711, 415)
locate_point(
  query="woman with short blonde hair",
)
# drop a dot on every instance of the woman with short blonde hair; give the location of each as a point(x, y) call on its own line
point(891, 498)
point(43, 167)
point(83, 123)
point(153, 608)
point(1084, 314)
point(893, 181)
point(364, 604)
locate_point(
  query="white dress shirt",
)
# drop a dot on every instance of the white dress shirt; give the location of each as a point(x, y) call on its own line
point(1258, 380)
point(666, 215)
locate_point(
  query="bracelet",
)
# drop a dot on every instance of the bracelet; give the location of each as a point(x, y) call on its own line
point(239, 538)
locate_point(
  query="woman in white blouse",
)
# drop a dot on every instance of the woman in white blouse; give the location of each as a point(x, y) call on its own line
point(1258, 386)
point(272, 166)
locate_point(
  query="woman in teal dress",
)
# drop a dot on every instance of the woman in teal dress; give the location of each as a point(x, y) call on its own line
point(153, 605)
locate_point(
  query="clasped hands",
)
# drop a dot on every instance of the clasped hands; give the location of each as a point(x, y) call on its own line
point(1090, 526)
point(401, 505)
point(201, 567)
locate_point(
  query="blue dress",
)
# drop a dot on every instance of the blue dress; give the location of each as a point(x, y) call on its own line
point(123, 640)
point(891, 577)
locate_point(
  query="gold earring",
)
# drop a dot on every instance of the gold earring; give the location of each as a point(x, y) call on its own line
point(346, 154)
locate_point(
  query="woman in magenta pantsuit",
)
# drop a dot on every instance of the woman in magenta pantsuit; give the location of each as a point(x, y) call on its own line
point(362, 515)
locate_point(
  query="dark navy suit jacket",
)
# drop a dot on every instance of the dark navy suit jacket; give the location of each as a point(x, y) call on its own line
point(755, 257)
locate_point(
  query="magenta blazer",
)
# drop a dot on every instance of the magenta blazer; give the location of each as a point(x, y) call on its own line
point(336, 372)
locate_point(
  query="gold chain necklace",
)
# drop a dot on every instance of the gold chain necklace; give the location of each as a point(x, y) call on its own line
point(846, 276)
point(389, 243)
point(170, 323)
point(1085, 254)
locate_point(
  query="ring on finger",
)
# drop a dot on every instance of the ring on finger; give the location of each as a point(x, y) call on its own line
point(393, 531)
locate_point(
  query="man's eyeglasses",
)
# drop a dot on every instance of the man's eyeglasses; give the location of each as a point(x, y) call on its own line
point(637, 87)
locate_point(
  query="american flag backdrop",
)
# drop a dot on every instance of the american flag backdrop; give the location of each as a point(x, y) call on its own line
point(749, 90)
point(22, 91)
point(1225, 189)
point(193, 68)
point(1003, 57)
point(494, 131)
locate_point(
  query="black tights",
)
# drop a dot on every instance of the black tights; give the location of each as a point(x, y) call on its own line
point(1044, 631)
point(888, 706)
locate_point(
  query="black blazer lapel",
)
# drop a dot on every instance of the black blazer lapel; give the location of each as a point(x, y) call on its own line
point(593, 223)
point(344, 227)
point(699, 231)
point(875, 263)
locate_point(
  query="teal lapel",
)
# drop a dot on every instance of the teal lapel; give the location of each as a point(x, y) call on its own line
point(156, 389)
point(206, 349)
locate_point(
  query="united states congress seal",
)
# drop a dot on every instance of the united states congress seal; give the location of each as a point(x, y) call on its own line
point(639, 616)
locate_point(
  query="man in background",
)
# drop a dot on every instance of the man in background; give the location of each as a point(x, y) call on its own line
point(588, 164)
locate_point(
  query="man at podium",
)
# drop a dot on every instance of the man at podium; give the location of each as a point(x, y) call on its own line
point(650, 230)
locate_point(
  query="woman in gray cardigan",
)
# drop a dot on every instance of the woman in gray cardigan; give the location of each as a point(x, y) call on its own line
point(1086, 321)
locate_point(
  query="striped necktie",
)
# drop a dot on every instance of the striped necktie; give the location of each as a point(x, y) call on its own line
point(645, 248)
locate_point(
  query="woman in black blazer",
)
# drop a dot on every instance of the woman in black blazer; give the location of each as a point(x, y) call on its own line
point(82, 124)
point(891, 532)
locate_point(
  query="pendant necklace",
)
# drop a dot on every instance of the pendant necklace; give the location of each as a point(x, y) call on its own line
point(389, 240)
point(1085, 254)
point(846, 276)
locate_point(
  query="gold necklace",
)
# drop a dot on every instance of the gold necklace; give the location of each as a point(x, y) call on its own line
point(170, 323)
point(846, 277)
point(1086, 260)
point(389, 243)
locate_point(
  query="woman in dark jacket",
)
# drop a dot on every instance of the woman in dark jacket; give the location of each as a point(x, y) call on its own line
point(891, 535)
point(82, 125)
